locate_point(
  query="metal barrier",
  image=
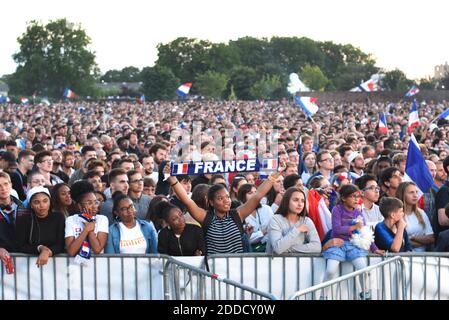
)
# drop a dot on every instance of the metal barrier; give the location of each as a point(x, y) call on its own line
point(383, 284)
point(192, 283)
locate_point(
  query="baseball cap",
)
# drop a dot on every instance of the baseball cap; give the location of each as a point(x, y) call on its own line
point(353, 155)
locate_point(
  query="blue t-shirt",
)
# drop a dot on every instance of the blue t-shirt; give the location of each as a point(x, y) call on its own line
point(384, 238)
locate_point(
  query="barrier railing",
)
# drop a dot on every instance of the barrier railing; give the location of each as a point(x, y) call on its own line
point(192, 283)
point(386, 281)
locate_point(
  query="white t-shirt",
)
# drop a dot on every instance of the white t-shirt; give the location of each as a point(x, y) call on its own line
point(74, 225)
point(372, 216)
point(132, 240)
point(414, 228)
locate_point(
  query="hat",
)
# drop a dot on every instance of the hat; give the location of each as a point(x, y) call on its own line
point(432, 127)
point(353, 155)
point(36, 190)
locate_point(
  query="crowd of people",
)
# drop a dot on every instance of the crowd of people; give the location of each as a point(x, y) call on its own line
point(90, 178)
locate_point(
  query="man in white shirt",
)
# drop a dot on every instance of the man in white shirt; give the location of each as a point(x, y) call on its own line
point(370, 194)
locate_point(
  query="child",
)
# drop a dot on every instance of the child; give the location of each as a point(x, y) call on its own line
point(347, 219)
point(390, 234)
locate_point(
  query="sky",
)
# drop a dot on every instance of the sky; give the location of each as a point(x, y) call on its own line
point(408, 35)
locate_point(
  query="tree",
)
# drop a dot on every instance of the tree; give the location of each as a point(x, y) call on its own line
point(427, 84)
point(212, 84)
point(159, 83)
point(314, 78)
point(266, 87)
point(52, 57)
point(396, 80)
point(242, 79)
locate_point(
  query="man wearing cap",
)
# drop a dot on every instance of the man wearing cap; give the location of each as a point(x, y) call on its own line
point(357, 164)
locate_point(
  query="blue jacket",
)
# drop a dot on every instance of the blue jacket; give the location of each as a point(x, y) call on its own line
point(148, 230)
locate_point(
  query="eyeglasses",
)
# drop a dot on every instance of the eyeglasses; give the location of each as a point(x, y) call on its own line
point(127, 209)
point(136, 181)
point(47, 161)
point(372, 188)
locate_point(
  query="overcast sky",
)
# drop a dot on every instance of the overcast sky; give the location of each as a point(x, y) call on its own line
point(409, 35)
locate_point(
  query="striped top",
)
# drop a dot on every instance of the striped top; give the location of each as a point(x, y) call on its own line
point(223, 236)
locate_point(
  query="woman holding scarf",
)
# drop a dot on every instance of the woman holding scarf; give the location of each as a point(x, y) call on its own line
point(85, 232)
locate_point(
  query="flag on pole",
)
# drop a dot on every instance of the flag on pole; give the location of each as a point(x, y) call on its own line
point(383, 129)
point(24, 100)
point(3, 98)
point(444, 115)
point(308, 104)
point(184, 89)
point(69, 94)
point(416, 168)
point(413, 90)
point(367, 86)
point(413, 119)
point(141, 99)
point(319, 213)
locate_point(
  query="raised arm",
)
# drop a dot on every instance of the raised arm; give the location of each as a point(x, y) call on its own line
point(196, 212)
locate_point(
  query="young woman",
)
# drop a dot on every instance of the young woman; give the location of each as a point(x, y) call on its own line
point(179, 238)
point(130, 235)
point(61, 200)
point(309, 160)
point(85, 232)
point(223, 227)
point(258, 219)
point(42, 231)
point(418, 228)
point(290, 229)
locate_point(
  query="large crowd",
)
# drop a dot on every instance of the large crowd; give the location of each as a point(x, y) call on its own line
point(87, 178)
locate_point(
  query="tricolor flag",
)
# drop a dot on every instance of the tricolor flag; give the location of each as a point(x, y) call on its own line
point(69, 94)
point(308, 104)
point(319, 213)
point(271, 164)
point(141, 99)
point(413, 119)
point(416, 169)
point(413, 90)
point(444, 115)
point(181, 168)
point(383, 129)
point(24, 100)
point(367, 86)
point(184, 89)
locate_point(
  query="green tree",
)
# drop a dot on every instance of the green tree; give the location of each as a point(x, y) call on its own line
point(112, 76)
point(242, 79)
point(52, 57)
point(314, 78)
point(211, 84)
point(159, 83)
point(427, 84)
point(351, 75)
point(396, 80)
point(266, 87)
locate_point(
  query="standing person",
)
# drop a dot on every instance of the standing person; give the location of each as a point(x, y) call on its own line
point(290, 229)
point(223, 227)
point(390, 179)
point(61, 200)
point(179, 238)
point(258, 219)
point(309, 166)
point(118, 181)
point(441, 221)
point(347, 218)
point(391, 234)
point(85, 232)
point(25, 165)
point(42, 231)
point(130, 234)
point(11, 209)
point(159, 153)
point(44, 164)
point(135, 192)
point(370, 195)
point(418, 227)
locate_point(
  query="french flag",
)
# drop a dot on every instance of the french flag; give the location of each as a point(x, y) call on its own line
point(319, 213)
point(24, 100)
point(141, 99)
point(308, 104)
point(416, 169)
point(181, 168)
point(69, 94)
point(444, 115)
point(383, 129)
point(271, 164)
point(413, 119)
point(184, 89)
point(413, 90)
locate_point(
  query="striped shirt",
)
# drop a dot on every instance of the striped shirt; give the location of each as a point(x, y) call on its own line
point(223, 236)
